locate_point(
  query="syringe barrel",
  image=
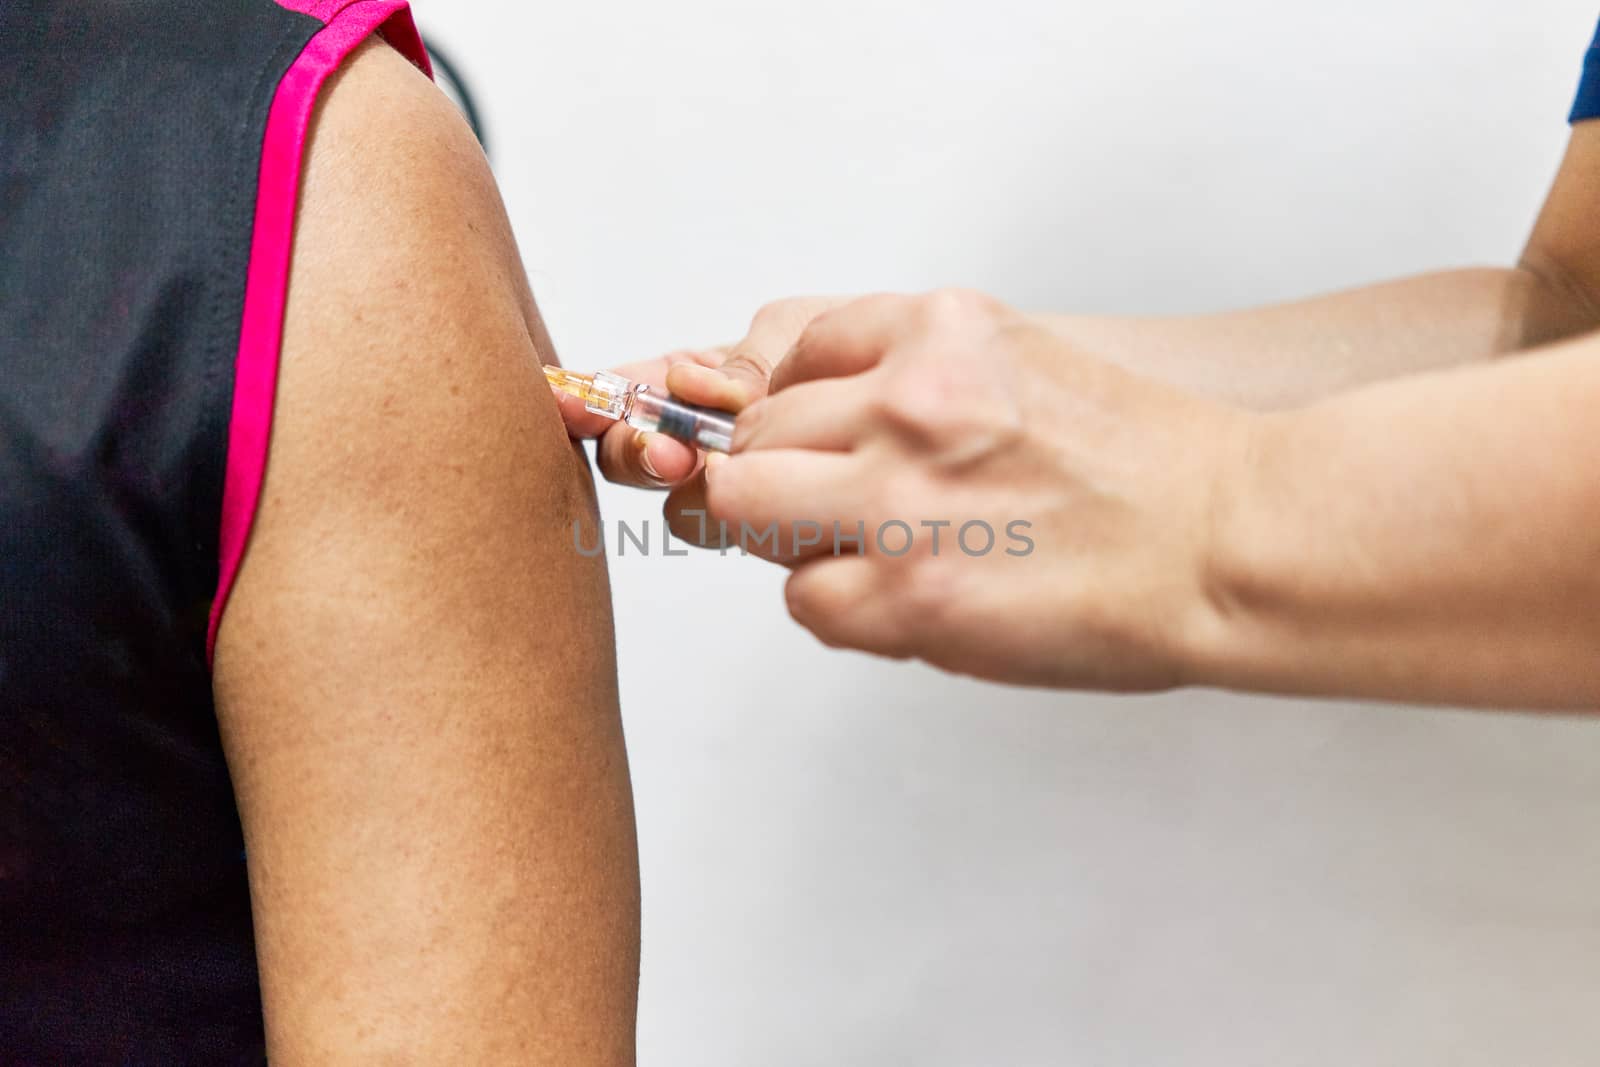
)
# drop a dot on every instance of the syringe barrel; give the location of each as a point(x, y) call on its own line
point(704, 428)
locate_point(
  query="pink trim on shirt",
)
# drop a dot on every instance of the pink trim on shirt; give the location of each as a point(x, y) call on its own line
point(348, 23)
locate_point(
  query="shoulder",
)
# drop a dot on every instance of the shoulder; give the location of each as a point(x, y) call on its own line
point(415, 675)
point(409, 378)
point(408, 306)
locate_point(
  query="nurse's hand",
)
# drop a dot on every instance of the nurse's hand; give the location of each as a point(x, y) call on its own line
point(1025, 513)
point(728, 377)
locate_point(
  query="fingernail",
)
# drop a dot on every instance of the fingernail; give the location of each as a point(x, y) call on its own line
point(644, 457)
point(714, 462)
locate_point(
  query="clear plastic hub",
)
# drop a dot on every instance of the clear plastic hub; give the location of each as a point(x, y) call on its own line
point(655, 411)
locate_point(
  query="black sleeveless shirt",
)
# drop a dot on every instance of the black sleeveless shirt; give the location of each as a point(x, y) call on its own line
point(149, 155)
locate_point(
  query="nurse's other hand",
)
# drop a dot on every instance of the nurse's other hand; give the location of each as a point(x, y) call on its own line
point(1076, 499)
point(728, 377)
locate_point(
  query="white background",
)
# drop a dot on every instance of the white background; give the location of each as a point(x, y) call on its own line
point(853, 862)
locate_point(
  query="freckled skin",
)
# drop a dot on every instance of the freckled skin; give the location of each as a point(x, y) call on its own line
point(415, 675)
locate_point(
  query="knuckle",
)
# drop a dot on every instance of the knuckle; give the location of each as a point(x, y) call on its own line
point(780, 316)
point(813, 336)
point(944, 309)
point(750, 362)
point(809, 341)
point(944, 304)
point(818, 605)
point(770, 312)
point(825, 630)
point(919, 403)
point(905, 423)
point(798, 366)
point(804, 597)
point(949, 403)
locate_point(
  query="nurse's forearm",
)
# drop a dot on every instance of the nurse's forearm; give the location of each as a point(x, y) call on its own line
point(1290, 354)
point(1435, 540)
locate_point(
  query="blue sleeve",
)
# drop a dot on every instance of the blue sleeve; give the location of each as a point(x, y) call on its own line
point(1587, 106)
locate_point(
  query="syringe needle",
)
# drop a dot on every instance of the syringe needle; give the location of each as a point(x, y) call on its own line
point(645, 408)
point(570, 382)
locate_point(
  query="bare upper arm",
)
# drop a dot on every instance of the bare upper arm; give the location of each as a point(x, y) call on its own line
point(415, 674)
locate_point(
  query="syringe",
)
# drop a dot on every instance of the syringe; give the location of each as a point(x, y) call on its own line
point(646, 408)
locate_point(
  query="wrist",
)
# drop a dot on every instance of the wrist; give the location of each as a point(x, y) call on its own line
point(1229, 642)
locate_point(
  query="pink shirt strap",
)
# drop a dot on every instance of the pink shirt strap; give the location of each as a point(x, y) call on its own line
point(347, 24)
